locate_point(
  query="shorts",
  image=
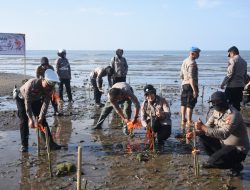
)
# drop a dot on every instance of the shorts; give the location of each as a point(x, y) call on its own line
point(187, 98)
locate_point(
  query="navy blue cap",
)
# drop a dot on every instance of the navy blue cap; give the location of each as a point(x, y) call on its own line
point(195, 49)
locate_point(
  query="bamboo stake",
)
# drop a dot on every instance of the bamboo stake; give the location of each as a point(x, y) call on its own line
point(151, 125)
point(196, 163)
point(48, 150)
point(38, 136)
point(85, 186)
point(79, 164)
point(89, 90)
point(38, 141)
point(202, 94)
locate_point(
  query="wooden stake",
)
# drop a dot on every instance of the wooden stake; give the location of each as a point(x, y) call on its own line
point(89, 90)
point(196, 162)
point(48, 150)
point(79, 167)
point(38, 141)
point(202, 94)
point(153, 135)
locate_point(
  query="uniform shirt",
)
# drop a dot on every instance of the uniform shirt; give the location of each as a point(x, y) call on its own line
point(189, 70)
point(41, 70)
point(236, 72)
point(120, 66)
point(63, 68)
point(97, 75)
point(32, 91)
point(229, 128)
point(159, 104)
point(127, 94)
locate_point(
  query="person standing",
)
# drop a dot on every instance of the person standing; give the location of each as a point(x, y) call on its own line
point(96, 80)
point(40, 74)
point(32, 103)
point(224, 136)
point(64, 72)
point(121, 93)
point(120, 66)
point(189, 94)
point(235, 78)
point(43, 67)
point(156, 108)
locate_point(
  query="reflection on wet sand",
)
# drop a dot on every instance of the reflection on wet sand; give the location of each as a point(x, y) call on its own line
point(62, 130)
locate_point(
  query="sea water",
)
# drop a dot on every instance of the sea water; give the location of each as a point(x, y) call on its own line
point(155, 67)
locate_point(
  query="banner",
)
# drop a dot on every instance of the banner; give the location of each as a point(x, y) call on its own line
point(12, 44)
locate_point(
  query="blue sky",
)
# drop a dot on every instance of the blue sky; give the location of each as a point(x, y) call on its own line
point(128, 24)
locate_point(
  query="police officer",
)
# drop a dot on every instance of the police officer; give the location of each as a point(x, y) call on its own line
point(224, 136)
point(189, 94)
point(96, 80)
point(156, 108)
point(235, 78)
point(43, 67)
point(32, 102)
point(40, 74)
point(120, 66)
point(121, 93)
point(64, 72)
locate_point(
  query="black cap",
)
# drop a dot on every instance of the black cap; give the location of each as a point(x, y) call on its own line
point(149, 89)
point(44, 61)
point(218, 96)
point(233, 49)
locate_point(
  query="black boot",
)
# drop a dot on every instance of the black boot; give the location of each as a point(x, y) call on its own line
point(237, 168)
point(54, 146)
point(99, 123)
point(25, 145)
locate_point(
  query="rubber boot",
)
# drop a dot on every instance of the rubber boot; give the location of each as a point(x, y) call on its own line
point(25, 145)
point(106, 111)
point(100, 122)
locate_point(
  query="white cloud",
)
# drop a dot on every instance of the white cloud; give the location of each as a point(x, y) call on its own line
point(208, 3)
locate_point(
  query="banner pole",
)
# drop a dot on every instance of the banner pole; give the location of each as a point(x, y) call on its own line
point(24, 58)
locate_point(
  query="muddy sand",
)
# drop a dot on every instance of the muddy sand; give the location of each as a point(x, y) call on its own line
point(110, 159)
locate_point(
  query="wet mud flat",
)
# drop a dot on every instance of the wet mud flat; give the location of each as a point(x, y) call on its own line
point(109, 158)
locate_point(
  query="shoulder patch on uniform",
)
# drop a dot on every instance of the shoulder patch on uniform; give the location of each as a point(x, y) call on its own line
point(228, 120)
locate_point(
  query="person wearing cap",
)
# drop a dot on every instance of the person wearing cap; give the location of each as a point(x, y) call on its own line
point(189, 94)
point(156, 108)
point(43, 67)
point(120, 66)
point(224, 136)
point(235, 78)
point(32, 103)
point(96, 80)
point(121, 93)
point(64, 72)
point(40, 74)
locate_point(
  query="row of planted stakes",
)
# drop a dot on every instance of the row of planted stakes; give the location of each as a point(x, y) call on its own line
point(64, 167)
